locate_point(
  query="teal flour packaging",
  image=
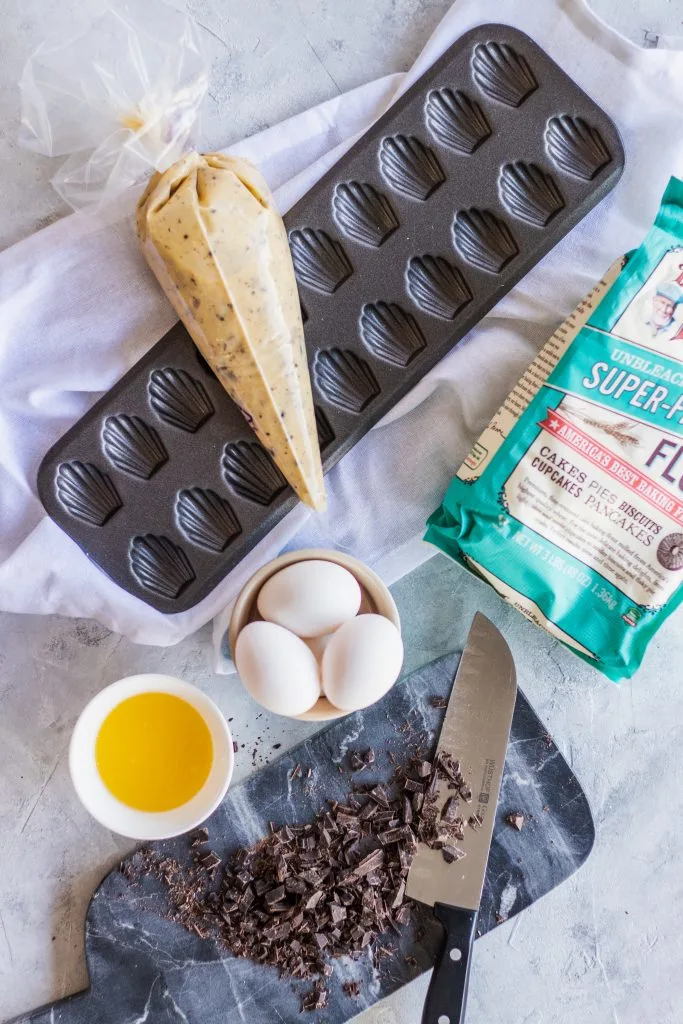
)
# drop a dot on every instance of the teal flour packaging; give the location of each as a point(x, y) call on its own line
point(570, 504)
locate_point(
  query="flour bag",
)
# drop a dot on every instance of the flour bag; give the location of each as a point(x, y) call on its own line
point(570, 504)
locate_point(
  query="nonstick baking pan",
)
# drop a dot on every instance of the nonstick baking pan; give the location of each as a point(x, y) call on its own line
point(436, 212)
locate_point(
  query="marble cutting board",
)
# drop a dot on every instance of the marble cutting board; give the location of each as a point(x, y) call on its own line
point(144, 968)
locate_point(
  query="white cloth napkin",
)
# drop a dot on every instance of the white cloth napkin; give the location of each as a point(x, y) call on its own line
point(78, 307)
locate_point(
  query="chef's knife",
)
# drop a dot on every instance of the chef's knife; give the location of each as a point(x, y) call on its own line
point(475, 731)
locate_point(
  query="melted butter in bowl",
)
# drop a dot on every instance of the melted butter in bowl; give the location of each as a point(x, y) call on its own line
point(151, 757)
point(154, 752)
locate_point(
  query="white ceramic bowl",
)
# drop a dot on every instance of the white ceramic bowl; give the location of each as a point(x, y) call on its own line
point(117, 816)
point(376, 598)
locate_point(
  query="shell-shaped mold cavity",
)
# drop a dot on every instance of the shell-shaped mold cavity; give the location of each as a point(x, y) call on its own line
point(319, 261)
point(179, 399)
point(160, 565)
point(363, 213)
point(409, 166)
point(437, 286)
point(206, 519)
point(530, 193)
point(87, 493)
point(390, 333)
point(455, 120)
point(325, 431)
point(575, 146)
point(484, 239)
point(345, 379)
point(132, 446)
point(502, 73)
point(251, 472)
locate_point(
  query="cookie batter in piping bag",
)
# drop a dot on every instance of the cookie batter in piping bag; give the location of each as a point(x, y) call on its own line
point(211, 233)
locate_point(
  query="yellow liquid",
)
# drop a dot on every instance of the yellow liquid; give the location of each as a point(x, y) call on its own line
point(154, 752)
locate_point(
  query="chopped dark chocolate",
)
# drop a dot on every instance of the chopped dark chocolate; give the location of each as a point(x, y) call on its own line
point(475, 822)
point(308, 893)
point(351, 989)
point(438, 702)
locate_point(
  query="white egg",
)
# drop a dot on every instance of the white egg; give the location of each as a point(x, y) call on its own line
point(361, 662)
point(277, 668)
point(310, 598)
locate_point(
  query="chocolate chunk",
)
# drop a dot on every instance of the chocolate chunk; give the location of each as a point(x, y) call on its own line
point(402, 915)
point(411, 786)
point(515, 820)
point(275, 895)
point(370, 863)
point(397, 897)
point(438, 702)
point(348, 821)
point(351, 989)
point(379, 795)
point(475, 822)
point(199, 837)
point(369, 811)
point(449, 814)
point(449, 767)
point(338, 914)
point(452, 853)
point(424, 769)
point(313, 900)
point(316, 999)
point(432, 787)
point(395, 835)
point(209, 861)
point(466, 793)
point(360, 761)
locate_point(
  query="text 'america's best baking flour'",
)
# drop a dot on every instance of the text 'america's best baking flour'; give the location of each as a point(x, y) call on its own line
point(570, 504)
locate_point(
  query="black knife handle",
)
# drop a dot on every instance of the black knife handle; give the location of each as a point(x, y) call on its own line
point(447, 993)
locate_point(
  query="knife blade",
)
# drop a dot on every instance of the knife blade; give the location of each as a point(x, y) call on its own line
point(475, 730)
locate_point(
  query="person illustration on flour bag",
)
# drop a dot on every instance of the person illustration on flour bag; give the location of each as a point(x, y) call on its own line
point(665, 302)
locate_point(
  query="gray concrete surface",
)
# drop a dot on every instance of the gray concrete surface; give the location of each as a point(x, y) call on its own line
point(604, 948)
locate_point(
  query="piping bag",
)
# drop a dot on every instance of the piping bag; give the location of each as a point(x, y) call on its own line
point(122, 101)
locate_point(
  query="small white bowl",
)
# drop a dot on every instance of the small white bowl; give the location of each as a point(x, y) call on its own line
point(114, 814)
point(376, 598)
